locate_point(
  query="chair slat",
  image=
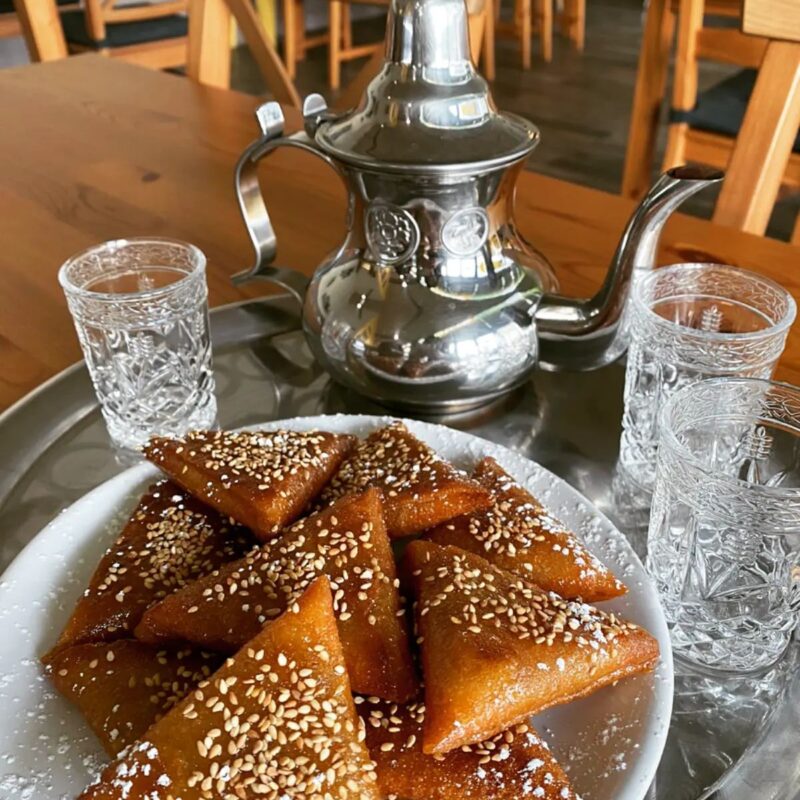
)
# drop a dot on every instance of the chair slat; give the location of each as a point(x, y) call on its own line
point(765, 142)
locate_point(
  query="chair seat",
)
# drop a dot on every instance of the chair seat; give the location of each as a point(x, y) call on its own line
point(721, 108)
point(123, 34)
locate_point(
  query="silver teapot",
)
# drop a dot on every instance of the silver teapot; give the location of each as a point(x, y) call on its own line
point(434, 301)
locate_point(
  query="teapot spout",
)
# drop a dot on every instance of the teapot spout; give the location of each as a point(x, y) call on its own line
point(583, 334)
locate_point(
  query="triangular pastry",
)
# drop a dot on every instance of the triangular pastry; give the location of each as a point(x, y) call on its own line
point(496, 649)
point(348, 543)
point(276, 722)
point(170, 540)
point(262, 479)
point(420, 489)
point(512, 765)
point(517, 533)
point(123, 687)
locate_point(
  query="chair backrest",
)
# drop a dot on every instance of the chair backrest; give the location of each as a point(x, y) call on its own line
point(769, 130)
point(100, 12)
point(701, 37)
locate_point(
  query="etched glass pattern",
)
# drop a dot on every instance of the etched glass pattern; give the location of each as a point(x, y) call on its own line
point(724, 538)
point(140, 308)
point(689, 322)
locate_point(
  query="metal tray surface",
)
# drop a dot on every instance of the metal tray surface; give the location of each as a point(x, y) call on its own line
point(730, 738)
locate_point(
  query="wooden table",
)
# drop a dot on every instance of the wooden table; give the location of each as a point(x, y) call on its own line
point(94, 149)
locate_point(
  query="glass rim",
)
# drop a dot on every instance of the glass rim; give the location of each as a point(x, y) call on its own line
point(199, 262)
point(668, 438)
point(780, 327)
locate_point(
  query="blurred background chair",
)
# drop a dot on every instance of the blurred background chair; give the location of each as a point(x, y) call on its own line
point(748, 122)
point(540, 16)
point(151, 34)
point(208, 60)
point(651, 79)
point(341, 48)
point(766, 154)
point(203, 46)
point(480, 30)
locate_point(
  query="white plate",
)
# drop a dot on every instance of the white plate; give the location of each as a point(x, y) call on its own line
point(610, 743)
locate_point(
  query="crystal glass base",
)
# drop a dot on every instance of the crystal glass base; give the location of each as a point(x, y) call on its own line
point(134, 432)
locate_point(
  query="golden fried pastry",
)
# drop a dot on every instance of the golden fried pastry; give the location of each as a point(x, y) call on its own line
point(348, 543)
point(420, 489)
point(515, 764)
point(262, 479)
point(518, 534)
point(123, 687)
point(276, 722)
point(496, 649)
point(170, 540)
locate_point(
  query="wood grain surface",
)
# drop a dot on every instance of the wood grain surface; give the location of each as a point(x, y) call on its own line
point(94, 149)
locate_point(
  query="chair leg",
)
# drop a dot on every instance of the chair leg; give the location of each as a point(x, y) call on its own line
point(335, 45)
point(796, 232)
point(347, 26)
point(208, 54)
point(675, 151)
point(574, 22)
point(301, 44)
point(41, 27)
point(544, 14)
point(526, 31)
point(651, 82)
point(563, 17)
point(489, 68)
point(290, 37)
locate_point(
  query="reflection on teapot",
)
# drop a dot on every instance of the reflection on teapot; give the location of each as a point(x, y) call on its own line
point(434, 301)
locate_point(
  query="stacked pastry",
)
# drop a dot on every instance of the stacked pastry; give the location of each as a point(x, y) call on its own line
point(248, 634)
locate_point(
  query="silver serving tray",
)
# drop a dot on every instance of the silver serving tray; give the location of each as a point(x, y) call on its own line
point(731, 739)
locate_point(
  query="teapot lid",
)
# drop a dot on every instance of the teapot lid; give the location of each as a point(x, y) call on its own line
point(427, 109)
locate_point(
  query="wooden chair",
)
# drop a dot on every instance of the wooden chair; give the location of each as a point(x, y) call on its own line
point(10, 25)
point(540, 16)
point(754, 136)
point(766, 154)
point(151, 34)
point(651, 82)
point(208, 60)
point(341, 49)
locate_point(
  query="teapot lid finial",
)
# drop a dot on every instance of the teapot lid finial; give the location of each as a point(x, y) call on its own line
point(427, 109)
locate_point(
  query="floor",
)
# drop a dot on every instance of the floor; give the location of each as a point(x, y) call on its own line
point(581, 102)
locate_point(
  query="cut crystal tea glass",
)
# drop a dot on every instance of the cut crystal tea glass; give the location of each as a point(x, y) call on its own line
point(724, 539)
point(140, 308)
point(689, 322)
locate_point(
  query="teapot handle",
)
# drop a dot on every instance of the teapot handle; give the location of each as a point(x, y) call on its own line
point(254, 210)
